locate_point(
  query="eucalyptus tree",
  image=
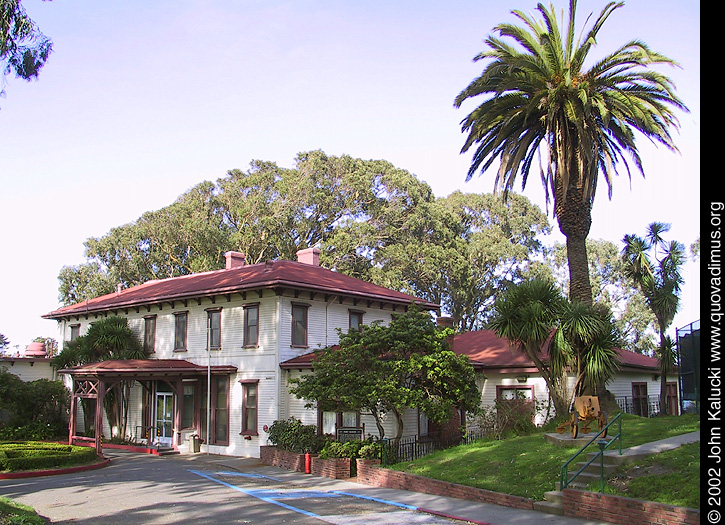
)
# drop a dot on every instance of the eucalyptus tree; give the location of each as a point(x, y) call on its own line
point(655, 265)
point(498, 243)
point(541, 99)
point(24, 49)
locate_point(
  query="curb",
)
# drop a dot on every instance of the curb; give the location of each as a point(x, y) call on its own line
point(450, 516)
point(69, 470)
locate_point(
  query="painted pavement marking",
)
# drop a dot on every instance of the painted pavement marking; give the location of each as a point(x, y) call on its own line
point(308, 497)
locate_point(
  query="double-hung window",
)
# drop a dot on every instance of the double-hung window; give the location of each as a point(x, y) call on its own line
point(299, 324)
point(356, 320)
point(250, 400)
point(214, 319)
point(251, 325)
point(180, 326)
point(149, 334)
point(219, 414)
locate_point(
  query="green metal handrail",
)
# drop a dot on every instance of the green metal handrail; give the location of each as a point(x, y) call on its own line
point(565, 481)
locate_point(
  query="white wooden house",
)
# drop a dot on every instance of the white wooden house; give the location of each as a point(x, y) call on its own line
point(504, 370)
point(252, 318)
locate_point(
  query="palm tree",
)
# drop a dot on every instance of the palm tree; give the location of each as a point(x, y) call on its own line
point(542, 100)
point(525, 315)
point(581, 338)
point(660, 282)
point(107, 338)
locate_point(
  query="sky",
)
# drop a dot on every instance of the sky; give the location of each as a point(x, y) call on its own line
point(140, 101)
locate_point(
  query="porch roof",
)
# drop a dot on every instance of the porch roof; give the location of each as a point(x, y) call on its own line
point(145, 368)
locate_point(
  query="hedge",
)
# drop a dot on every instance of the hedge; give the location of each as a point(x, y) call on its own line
point(16, 456)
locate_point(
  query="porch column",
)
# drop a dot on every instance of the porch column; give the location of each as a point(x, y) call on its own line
point(73, 408)
point(179, 411)
point(99, 415)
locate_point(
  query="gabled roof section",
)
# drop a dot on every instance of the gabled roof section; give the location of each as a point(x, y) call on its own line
point(488, 351)
point(268, 275)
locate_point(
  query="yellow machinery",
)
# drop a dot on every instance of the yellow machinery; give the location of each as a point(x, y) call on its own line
point(586, 411)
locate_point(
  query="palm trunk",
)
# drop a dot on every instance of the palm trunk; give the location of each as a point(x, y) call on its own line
point(664, 369)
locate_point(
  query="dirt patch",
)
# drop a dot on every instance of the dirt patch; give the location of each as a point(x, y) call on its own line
point(622, 480)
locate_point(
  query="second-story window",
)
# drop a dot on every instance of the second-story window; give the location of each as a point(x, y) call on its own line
point(215, 328)
point(299, 324)
point(251, 325)
point(75, 331)
point(180, 324)
point(149, 334)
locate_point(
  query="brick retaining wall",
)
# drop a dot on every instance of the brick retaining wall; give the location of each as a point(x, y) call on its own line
point(270, 455)
point(618, 509)
point(370, 473)
point(335, 468)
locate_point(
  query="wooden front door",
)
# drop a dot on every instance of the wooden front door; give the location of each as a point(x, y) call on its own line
point(672, 401)
point(639, 399)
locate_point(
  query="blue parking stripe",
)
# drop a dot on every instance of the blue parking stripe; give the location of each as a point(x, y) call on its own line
point(378, 500)
point(251, 493)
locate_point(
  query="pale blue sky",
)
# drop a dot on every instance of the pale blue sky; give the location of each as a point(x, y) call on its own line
point(142, 100)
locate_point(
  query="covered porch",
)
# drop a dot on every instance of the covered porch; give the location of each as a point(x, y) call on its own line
point(163, 389)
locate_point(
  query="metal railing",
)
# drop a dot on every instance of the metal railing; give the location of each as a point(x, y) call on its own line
point(565, 480)
point(640, 406)
point(415, 447)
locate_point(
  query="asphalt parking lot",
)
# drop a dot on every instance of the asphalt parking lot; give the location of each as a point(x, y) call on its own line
point(137, 488)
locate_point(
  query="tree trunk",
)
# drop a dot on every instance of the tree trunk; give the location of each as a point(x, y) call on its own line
point(574, 214)
point(664, 369)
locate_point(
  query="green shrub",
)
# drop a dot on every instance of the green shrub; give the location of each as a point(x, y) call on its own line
point(293, 436)
point(346, 449)
point(17, 456)
point(35, 431)
point(371, 450)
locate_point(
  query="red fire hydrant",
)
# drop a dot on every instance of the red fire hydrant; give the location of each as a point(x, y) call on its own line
point(308, 463)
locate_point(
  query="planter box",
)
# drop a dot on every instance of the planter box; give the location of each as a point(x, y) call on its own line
point(335, 468)
point(274, 457)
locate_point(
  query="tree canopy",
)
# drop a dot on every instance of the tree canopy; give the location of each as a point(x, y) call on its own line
point(24, 49)
point(386, 369)
point(371, 220)
point(543, 101)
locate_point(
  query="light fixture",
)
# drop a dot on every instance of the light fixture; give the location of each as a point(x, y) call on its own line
point(522, 379)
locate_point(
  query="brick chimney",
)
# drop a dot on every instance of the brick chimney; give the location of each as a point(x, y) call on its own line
point(234, 259)
point(309, 256)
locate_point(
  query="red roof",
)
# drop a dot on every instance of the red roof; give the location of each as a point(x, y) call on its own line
point(272, 274)
point(487, 350)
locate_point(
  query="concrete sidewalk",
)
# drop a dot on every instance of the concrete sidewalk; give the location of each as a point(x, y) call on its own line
point(473, 512)
point(458, 509)
point(655, 447)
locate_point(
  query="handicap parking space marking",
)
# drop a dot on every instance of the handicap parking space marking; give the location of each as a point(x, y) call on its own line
point(276, 495)
point(252, 493)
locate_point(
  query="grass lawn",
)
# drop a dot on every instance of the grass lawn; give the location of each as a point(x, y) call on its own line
point(12, 513)
point(529, 466)
point(671, 477)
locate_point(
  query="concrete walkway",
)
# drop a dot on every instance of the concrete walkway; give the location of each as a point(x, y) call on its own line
point(203, 488)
